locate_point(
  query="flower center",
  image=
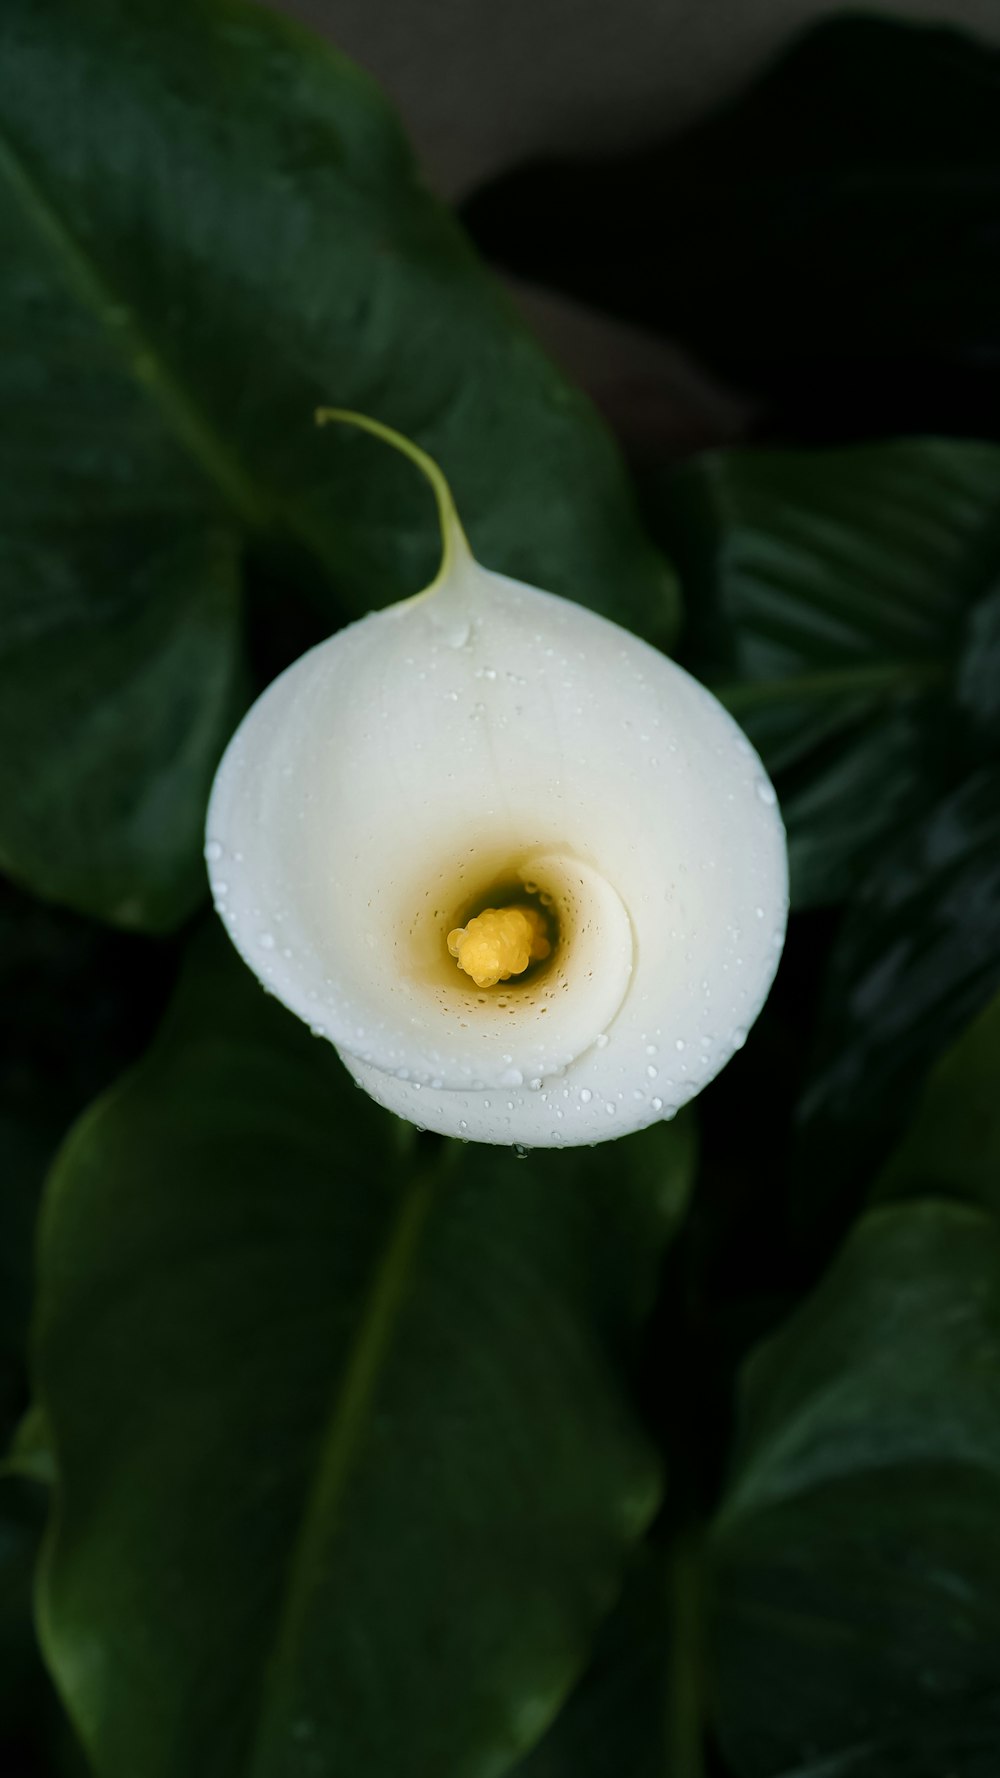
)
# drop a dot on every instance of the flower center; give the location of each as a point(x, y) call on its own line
point(499, 943)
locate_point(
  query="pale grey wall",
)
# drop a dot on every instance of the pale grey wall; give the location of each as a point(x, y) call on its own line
point(483, 83)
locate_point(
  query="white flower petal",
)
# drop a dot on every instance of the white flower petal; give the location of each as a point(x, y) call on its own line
point(480, 743)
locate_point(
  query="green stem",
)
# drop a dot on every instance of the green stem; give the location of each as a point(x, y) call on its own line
point(454, 543)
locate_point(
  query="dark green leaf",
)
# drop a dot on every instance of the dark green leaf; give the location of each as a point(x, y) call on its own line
point(209, 225)
point(917, 957)
point(953, 1142)
point(828, 241)
point(79, 1002)
point(857, 1554)
point(827, 593)
point(979, 669)
point(638, 1711)
point(119, 687)
point(341, 1426)
point(614, 1724)
point(35, 1739)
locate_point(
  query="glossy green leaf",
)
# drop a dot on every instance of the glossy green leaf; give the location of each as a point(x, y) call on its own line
point(827, 593)
point(825, 240)
point(953, 1142)
point(857, 1553)
point(209, 225)
point(916, 959)
point(348, 1465)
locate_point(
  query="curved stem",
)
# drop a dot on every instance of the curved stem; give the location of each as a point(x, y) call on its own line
point(454, 543)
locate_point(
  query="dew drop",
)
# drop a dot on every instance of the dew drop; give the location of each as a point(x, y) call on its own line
point(213, 851)
point(652, 1072)
point(657, 1104)
point(585, 1095)
point(738, 1037)
point(266, 941)
point(766, 791)
point(610, 1109)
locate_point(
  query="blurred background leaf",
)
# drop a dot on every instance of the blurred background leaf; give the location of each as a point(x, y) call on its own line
point(952, 1144)
point(828, 596)
point(35, 1738)
point(614, 1724)
point(210, 224)
point(347, 1465)
point(856, 1599)
point(826, 242)
point(916, 958)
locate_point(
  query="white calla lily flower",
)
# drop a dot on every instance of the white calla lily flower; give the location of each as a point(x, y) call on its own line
point(523, 871)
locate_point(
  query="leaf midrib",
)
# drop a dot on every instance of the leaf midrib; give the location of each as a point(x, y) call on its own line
point(341, 1443)
point(248, 500)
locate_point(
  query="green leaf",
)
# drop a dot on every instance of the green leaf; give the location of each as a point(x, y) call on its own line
point(348, 1468)
point(916, 959)
point(35, 1738)
point(209, 225)
point(119, 687)
point(832, 239)
point(827, 593)
point(857, 1557)
point(79, 1003)
point(613, 1725)
point(637, 1712)
point(978, 687)
point(953, 1143)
